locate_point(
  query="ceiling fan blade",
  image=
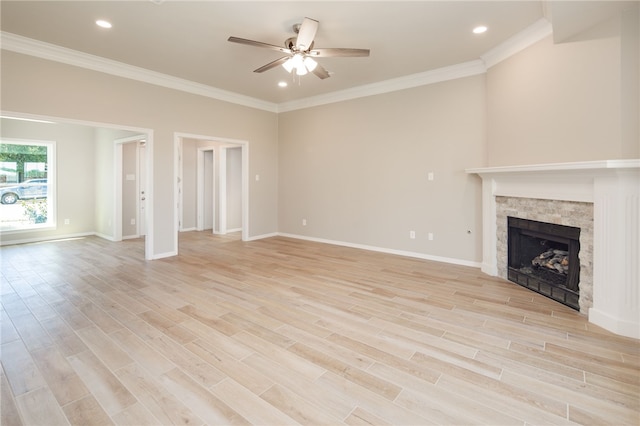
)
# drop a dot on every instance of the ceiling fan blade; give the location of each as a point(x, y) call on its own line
point(306, 34)
point(272, 64)
point(321, 72)
point(339, 52)
point(258, 44)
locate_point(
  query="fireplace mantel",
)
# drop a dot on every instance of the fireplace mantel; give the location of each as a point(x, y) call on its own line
point(613, 186)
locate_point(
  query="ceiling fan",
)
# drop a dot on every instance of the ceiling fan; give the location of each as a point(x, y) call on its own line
point(300, 51)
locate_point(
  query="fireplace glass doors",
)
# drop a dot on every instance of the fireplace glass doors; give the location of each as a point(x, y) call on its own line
point(543, 257)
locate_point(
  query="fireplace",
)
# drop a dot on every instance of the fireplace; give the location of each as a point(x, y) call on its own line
point(543, 257)
point(602, 198)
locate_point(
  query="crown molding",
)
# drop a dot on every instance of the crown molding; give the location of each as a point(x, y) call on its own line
point(52, 52)
point(534, 33)
point(453, 72)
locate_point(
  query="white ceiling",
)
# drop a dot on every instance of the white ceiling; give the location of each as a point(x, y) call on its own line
point(188, 39)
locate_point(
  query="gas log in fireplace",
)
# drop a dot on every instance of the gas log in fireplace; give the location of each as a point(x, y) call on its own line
point(543, 257)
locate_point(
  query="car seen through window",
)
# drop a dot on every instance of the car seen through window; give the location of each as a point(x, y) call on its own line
point(29, 189)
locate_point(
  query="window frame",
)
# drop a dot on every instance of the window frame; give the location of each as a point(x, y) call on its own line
point(51, 223)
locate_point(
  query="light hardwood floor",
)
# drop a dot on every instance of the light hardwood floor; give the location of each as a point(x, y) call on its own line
point(282, 331)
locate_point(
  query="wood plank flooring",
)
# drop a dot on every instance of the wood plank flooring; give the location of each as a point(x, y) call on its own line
point(281, 331)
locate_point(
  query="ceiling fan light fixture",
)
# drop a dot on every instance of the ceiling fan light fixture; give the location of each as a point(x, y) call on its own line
point(310, 63)
point(297, 61)
point(300, 51)
point(288, 65)
point(301, 64)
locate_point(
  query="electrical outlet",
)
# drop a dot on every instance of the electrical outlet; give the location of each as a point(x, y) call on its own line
point(430, 236)
point(430, 176)
point(133, 221)
point(412, 235)
point(304, 222)
point(67, 221)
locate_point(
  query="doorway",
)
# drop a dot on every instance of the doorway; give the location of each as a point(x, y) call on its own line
point(219, 189)
point(100, 219)
point(131, 188)
point(211, 184)
point(205, 190)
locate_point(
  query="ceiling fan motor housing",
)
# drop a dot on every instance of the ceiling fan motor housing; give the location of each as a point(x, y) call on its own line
point(290, 44)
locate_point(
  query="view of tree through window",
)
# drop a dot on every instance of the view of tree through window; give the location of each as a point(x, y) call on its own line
point(26, 185)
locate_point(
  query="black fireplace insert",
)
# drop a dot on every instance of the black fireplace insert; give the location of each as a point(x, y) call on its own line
point(543, 257)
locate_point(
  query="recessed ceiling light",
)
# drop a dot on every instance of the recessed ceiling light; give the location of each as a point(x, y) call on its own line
point(480, 29)
point(282, 84)
point(104, 24)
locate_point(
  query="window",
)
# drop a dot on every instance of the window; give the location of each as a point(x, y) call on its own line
point(27, 185)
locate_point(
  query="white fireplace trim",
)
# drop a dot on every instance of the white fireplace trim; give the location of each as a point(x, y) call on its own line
point(613, 186)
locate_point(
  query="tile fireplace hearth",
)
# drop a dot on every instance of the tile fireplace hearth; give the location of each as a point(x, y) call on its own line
point(602, 198)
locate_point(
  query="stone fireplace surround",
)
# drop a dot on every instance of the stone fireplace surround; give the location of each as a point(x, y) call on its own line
point(565, 193)
point(569, 213)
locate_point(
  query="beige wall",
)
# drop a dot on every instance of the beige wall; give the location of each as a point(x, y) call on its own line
point(630, 83)
point(554, 103)
point(357, 171)
point(36, 86)
point(104, 202)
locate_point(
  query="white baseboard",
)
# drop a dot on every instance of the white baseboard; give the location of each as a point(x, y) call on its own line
point(619, 326)
point(163, 255)
point(263, 236)
point(270, 235)
point(105, 236)
point(50, 238)
point(450, 260)
point(489, 269)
